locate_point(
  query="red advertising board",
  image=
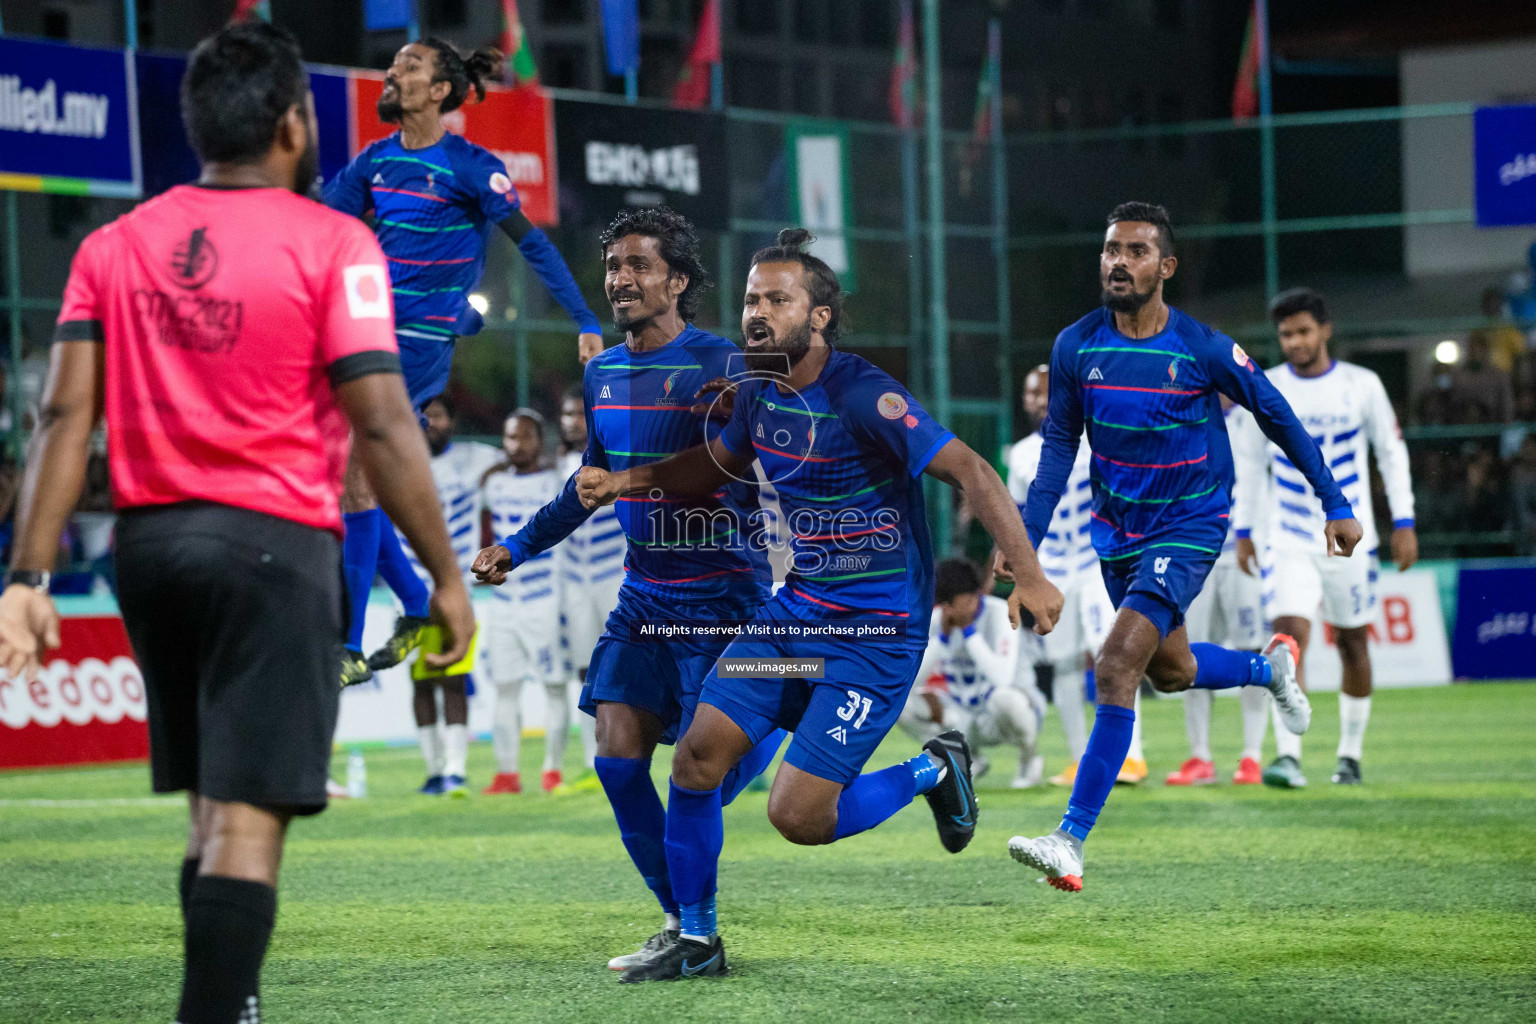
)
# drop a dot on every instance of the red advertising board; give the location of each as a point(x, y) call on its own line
point(518, 125)
point(87, 703)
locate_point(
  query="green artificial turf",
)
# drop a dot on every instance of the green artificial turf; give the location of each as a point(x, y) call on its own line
point(1411, 898)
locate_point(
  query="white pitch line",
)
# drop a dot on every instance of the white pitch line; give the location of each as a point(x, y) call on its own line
point(139, 801)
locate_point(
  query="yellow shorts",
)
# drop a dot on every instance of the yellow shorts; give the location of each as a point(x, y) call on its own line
point(432, 643)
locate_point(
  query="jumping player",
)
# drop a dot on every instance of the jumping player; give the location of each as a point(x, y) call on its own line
point(974, 650)
point(1344, 407)
point(687, 563)
point(457, 467)
point(1144, 379)
point(523, 625)
point(844, 446)
point(433, 198)
point(227, 419)
point(591, 566)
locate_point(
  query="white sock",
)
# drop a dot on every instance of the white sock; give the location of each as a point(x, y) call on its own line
point(1197, 721)
point(588, 740)
point(1354, 713)
point(507, 726)
point(1255, 719)
point(673, 923)
point(1068, 692)
point(557, 725)
point(1287, 743)
point(456, 742)
point(1136, 753)
point(431, 748)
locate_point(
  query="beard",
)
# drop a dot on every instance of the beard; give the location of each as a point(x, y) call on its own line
point(437, 443)
point(389, 110)
point(783, 354)
point(1130, 302)
point(306, 174)
point(634, 316)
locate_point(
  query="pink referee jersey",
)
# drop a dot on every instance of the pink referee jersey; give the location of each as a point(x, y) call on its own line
point(228, 316)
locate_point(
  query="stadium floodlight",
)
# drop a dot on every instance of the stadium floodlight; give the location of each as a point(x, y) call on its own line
point(1447, 351)
point(480, 302)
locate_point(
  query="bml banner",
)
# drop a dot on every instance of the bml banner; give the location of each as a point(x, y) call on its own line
point(68, 120)
point(1504, 165)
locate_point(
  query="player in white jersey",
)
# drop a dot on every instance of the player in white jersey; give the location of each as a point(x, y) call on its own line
point(1227, 611)
point(973, 651)
point(1344, 407)
point(1069, 561)
point(457, 467)
point(523, 624)
point(591, 566)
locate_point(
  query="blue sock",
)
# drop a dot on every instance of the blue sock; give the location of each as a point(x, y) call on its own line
point(359, 560)
point(750, 767)
point(695, 833)
point(642, 822)
point(1217, 668)
point(395, 567)
point(875, 796)
point(1107, 747)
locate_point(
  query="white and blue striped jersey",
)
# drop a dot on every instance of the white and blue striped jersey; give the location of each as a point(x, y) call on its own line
point(976, 665)
point(594, 552)
point(1066, 551)
point(457, 472)
point(512, 499)
point(1344, 409)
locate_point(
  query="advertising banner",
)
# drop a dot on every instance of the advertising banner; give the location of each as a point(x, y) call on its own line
point(614, 156)
point(818, 176)
point(1407, 640)
point(515, 124)
point(1504, 165)
point(87, 703)
point(1496, 622)
point(68, 120)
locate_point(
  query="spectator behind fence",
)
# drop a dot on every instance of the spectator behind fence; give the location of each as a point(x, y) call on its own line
point(1522, 491)
point(1504, 340)
point(1480, 392)
point(1438, 503)
point(1487, 503)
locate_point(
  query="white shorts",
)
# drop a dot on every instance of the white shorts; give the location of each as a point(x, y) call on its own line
point(1228, 610)
point(584, 611)
point(522, 647)
point(1086, 615)
point(1297, 582)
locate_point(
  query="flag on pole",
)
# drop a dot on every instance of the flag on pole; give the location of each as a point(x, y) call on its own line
point(520, 68)
point(693, 85)
point(903, 90)
point(251, 10)
point(621, 35)
point(981, 119)
point(1245, 90)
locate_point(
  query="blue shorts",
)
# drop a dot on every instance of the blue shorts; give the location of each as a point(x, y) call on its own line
point(1163, 578)
point(839, 719)
point(662, 676)
point(425, 363)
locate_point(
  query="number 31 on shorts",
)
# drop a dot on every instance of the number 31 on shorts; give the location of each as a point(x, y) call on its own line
point(857, 705)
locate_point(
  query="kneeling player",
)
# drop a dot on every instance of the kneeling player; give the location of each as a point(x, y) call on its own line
point(844, 446)
point(974, 650)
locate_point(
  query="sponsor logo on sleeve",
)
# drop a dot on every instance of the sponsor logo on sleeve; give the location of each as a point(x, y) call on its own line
point(891, 405)
point(367, 290)
point(1239, 356)
point(500, 183)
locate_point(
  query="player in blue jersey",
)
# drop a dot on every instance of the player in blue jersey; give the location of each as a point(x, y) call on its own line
point(1145, 380)
point(689, 563)
point(845, 447)
point(434, 199)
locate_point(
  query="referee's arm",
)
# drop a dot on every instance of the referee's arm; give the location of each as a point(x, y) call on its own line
point(387, 441)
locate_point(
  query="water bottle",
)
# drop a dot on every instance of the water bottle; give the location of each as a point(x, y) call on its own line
point(357, 775)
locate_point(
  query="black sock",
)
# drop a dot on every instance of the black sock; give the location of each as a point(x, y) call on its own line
point(229, 921)
point(188, 876)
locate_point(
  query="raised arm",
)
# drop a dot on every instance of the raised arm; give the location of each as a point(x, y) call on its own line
point(551, 268)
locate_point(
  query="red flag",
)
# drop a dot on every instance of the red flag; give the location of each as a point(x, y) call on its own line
point(693, 84)
point(513, 43)
point(252, 10)
point(1245, 90)
point(903, 90)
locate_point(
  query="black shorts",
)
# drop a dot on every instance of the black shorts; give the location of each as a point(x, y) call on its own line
point(236, 619)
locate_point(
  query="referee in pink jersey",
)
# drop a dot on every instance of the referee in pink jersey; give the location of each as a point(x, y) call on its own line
point(232, 331)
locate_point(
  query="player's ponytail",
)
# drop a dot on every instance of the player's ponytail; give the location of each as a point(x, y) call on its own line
point(463, 73)
point(820, 280)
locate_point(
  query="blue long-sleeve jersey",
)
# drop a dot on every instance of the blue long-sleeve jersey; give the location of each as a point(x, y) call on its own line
point(638, 413)
point(433, 213)
point(1161, 460)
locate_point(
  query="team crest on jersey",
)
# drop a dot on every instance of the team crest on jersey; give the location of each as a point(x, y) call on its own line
point(666, 387)
point(1239, 356)
point(891, 405)
point(500, 183)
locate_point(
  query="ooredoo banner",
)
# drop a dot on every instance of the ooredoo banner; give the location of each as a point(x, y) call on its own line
point(1496, 622)
point(1408, 642)
point(515, 124)
point(87, 703)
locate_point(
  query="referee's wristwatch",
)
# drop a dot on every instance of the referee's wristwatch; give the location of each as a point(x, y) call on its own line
point(37, 579)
